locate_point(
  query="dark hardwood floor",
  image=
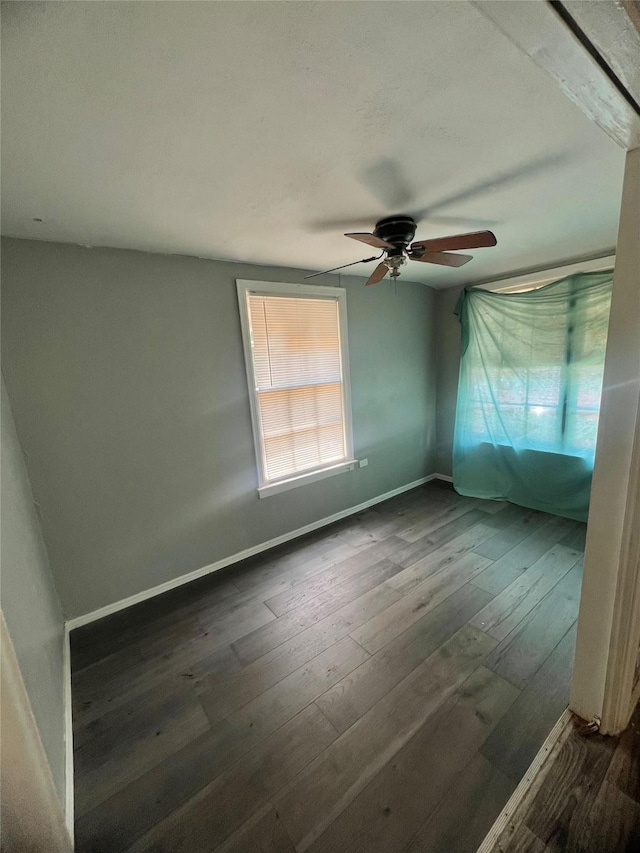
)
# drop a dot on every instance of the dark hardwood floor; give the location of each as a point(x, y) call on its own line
point(379, 685)
point(589, 800)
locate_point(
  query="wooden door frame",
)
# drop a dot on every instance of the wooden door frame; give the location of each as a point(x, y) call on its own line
point(623, 677)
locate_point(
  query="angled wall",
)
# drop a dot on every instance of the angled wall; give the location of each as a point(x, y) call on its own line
point(30, 604)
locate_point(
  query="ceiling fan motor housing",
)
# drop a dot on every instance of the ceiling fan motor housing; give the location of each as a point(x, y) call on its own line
point(398, 230)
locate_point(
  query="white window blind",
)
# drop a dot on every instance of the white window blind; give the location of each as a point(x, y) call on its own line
point(298, 383)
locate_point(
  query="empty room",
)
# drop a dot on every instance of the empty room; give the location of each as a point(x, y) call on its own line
point(320, 426)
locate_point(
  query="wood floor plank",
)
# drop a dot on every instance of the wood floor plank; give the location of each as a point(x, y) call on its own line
point(100, 732)
point(90, 643)
point(518, 737)
point(95, 693)
point(507, 538)
point(576, 536)
point(426, 545)
point(151, 641)
point(521, 654)
point(508, 568)
point(355, 694)
point(138, 805)
point(155, 627)
point(344, 565)
point(624, 770)
point(330, 583)
point(524, 841)
point(398, 518)
point(264, 834)
point(224, 630)
point(311, 610)
point(510, 607)
point(115, 757)
point(466, 812)
point(332, 780)
point(380, 521)
point(164, 644)
point(396, 618)
point(275, 706)
point(300, 560)
point(613, 823)
point(407, 579)
point(364, 529)
point(222, 697)
point(111, 667)
point(567, 795)
point(493, 506)
point(224, 805)
point(431, 521)
point(132, 812)
point(391, 808)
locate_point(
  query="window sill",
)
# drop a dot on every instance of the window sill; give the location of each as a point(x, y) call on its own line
point(302, 480)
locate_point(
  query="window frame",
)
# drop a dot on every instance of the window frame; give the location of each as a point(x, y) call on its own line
point(308, 291)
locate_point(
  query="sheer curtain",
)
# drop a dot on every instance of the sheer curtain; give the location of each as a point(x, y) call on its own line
point(529, 393)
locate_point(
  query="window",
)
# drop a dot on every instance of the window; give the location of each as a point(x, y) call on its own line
point(537, 384)
point(295, 341)
point(531, 373)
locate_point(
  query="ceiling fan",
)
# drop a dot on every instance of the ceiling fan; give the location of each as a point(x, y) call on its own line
point(394, 235)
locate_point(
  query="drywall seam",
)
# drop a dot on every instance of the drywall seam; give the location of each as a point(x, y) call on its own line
point(101, 612)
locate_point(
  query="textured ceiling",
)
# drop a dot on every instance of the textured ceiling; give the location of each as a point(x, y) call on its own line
point(242, 130)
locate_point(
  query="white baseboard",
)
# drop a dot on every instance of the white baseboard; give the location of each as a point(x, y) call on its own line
point(444, 477)
point(68, 734)
point(101, 612)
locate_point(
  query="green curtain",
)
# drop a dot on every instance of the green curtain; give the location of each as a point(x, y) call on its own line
point(529, 393)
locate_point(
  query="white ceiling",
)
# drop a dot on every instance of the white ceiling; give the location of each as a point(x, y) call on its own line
point(232, 129)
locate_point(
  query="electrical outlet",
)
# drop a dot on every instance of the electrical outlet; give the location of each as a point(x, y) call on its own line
point(363, 463)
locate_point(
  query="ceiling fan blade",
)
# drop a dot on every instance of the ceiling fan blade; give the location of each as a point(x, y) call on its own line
point(378, 274)
point(342, 266)
point(442, 258)
point(474, 240)
point(371, 240)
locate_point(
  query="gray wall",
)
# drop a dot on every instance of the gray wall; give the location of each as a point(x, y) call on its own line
point(447, 369)
point(29, 602)
point(128, 386)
